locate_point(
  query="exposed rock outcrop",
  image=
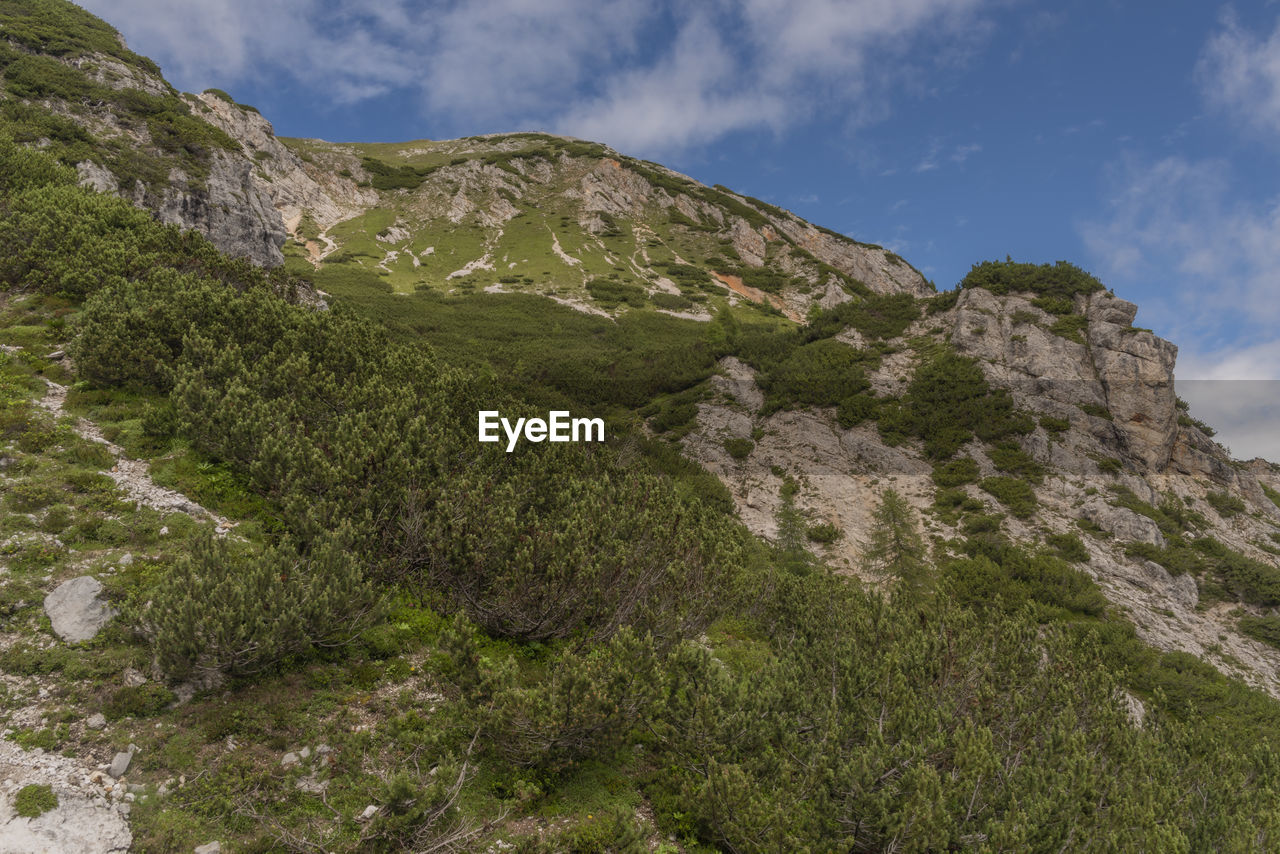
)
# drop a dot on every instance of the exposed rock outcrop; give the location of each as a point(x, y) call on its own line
point(90, 817)
point(291, 185)
point(229, 208)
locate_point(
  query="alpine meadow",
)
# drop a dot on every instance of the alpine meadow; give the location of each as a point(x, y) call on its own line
point(851, 563)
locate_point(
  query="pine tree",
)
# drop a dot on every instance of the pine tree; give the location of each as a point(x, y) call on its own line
point(896, 549)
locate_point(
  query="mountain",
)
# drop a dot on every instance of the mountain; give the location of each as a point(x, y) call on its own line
point(608, 235)
point(863, 565)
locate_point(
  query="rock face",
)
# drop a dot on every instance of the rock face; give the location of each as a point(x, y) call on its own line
point(228, 205)
point(77, 610)
point(230, 209)
point(285, 184)
point(1101, 394)
point(86, 821)
point(1106, 366)
point(1135, 369)
point(1122, 522)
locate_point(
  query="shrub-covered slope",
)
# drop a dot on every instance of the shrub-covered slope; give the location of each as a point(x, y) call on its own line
point(916, 571)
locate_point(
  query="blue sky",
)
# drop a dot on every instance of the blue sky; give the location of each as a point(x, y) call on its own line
point(1137, 139)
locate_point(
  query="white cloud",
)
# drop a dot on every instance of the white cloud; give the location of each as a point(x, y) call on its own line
point(1180, 223)
point(1243, 412)
point(1239, 72)
point(639, 75)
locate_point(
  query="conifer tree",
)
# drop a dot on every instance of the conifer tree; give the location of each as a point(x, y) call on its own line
point(896, 549)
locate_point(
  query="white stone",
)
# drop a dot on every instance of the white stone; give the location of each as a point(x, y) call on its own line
point(77, 610)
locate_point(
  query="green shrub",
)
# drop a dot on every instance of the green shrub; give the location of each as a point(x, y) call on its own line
point(31, 495)
point(824, 532)
point(1058, 305)
point(671, 302)
point(611, 294)
point(384, 176)
point(675, 416)
point(823, 373)
point(1110, 465)
point(944, 301)
point(1054, 425)
point(227, 609)
point(1227, 505)
point(34, 800)
point(138, 701)
point(57, 519)
point(1265, 629)
point(1061, 280)
point(585, 705)
point(1009, 457)
point(1071, 327)
point(739, 448)
point(956, 472)
point(949, 402)
point(878, 316)
point(1096, 410)
point(1069, 547)
point(855, 409)
point(1271, 493)
point(1015, 494)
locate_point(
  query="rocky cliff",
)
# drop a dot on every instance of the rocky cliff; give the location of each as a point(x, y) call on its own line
point(1109, 434)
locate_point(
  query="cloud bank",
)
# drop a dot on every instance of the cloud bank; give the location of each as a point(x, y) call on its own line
point(647, 76)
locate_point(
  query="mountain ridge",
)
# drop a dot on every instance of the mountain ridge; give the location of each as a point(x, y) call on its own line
point(856, 552)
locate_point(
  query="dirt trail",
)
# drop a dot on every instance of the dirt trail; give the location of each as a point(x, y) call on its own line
point(133, 476)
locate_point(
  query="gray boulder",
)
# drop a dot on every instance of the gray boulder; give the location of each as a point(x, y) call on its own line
point(120, 764)
point(1122, 522)
point(76, 609)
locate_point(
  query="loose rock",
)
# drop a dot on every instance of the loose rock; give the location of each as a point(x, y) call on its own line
point(76, 609)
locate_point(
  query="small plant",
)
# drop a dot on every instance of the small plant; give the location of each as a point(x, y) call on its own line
point(1071, 327)
point(955, 473)
point(739, 448)
point(824, 532)
point(1069, 547)
point(1054, 425)
point(1110, 465)
point(1226, 505)
point(1264, 629)
point(1271, 493)
point(138, 701)
point(1014, 493)
point(35, 800)
point(1096, 410)
point(1009, 457)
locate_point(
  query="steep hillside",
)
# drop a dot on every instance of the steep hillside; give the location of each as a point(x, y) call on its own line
point(862, 566)
point(70, 85)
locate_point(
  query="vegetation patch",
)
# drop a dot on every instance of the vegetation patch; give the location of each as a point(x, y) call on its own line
point(1226, 504)
point(949, 402)
point(1061, 280)
point(956, 472)
point(1012, 492)
point(1265, 629)
point(34, 800)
